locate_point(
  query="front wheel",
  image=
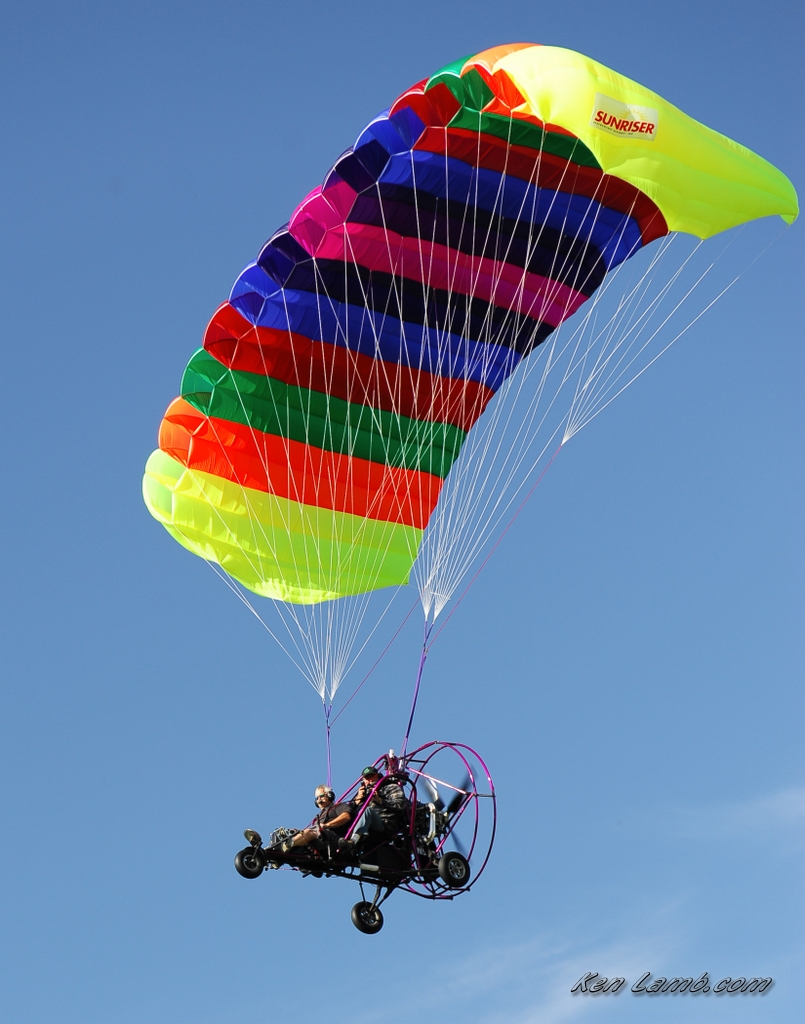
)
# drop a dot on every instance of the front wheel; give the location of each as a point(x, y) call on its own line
point(250, 862)
point(454, 870)
point(366, 918)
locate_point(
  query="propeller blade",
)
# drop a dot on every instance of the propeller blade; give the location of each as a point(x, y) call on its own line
point(462, 849)
point(458, 799)
point(433, 793)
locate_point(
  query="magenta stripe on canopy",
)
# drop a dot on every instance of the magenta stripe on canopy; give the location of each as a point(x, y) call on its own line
point(320, 230)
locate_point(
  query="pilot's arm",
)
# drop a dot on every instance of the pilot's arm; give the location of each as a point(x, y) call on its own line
point(341, 819)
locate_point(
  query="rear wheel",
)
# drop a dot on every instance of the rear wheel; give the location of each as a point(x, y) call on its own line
point(454, 870)
point(250, 862)
point(366, 918)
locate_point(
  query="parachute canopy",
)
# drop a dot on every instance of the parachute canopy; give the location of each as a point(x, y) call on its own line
point(335, 388)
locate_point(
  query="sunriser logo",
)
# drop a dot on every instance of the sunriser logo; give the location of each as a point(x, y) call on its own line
point(624, 119)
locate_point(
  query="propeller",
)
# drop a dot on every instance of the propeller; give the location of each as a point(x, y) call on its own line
point(462, 849)
point(452, 807)
point(433, 793)
point(459, 798)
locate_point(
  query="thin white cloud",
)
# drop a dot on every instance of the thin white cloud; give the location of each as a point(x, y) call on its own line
point(529, 982)
point(545, 997)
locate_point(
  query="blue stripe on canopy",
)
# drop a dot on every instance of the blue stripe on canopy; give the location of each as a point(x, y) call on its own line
point(257, 298)
point(616, 235)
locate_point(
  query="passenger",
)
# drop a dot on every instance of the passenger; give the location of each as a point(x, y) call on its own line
point(330, 826)
point(385, 814)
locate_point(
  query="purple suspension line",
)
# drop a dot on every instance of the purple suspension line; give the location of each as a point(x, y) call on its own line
point(327, 711)
point(428, 628)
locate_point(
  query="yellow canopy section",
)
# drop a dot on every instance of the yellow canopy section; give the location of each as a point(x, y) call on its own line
point(702, 181)
point(276, 547)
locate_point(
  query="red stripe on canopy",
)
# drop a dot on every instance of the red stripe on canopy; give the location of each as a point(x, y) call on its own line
point(300, 472)
point(337, 371)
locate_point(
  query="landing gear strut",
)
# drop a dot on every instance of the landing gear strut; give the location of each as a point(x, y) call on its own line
point(367, 917)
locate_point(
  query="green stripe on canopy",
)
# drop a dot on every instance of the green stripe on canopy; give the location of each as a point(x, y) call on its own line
point(318, 419)
point(522, 133)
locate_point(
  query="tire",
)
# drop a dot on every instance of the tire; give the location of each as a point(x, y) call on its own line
point(250, 862)
point(366, 918)
point(454, 870)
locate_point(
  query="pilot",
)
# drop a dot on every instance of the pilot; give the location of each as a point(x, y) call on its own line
point(330, 826)
point(385, 813)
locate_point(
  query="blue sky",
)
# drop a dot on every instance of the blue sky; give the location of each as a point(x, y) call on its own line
point(629, 663)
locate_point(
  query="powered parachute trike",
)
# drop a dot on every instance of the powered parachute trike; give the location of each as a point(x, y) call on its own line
point(476, 279)
point(431, 852)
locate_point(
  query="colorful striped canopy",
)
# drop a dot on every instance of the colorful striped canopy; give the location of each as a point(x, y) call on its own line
point(335, 388)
